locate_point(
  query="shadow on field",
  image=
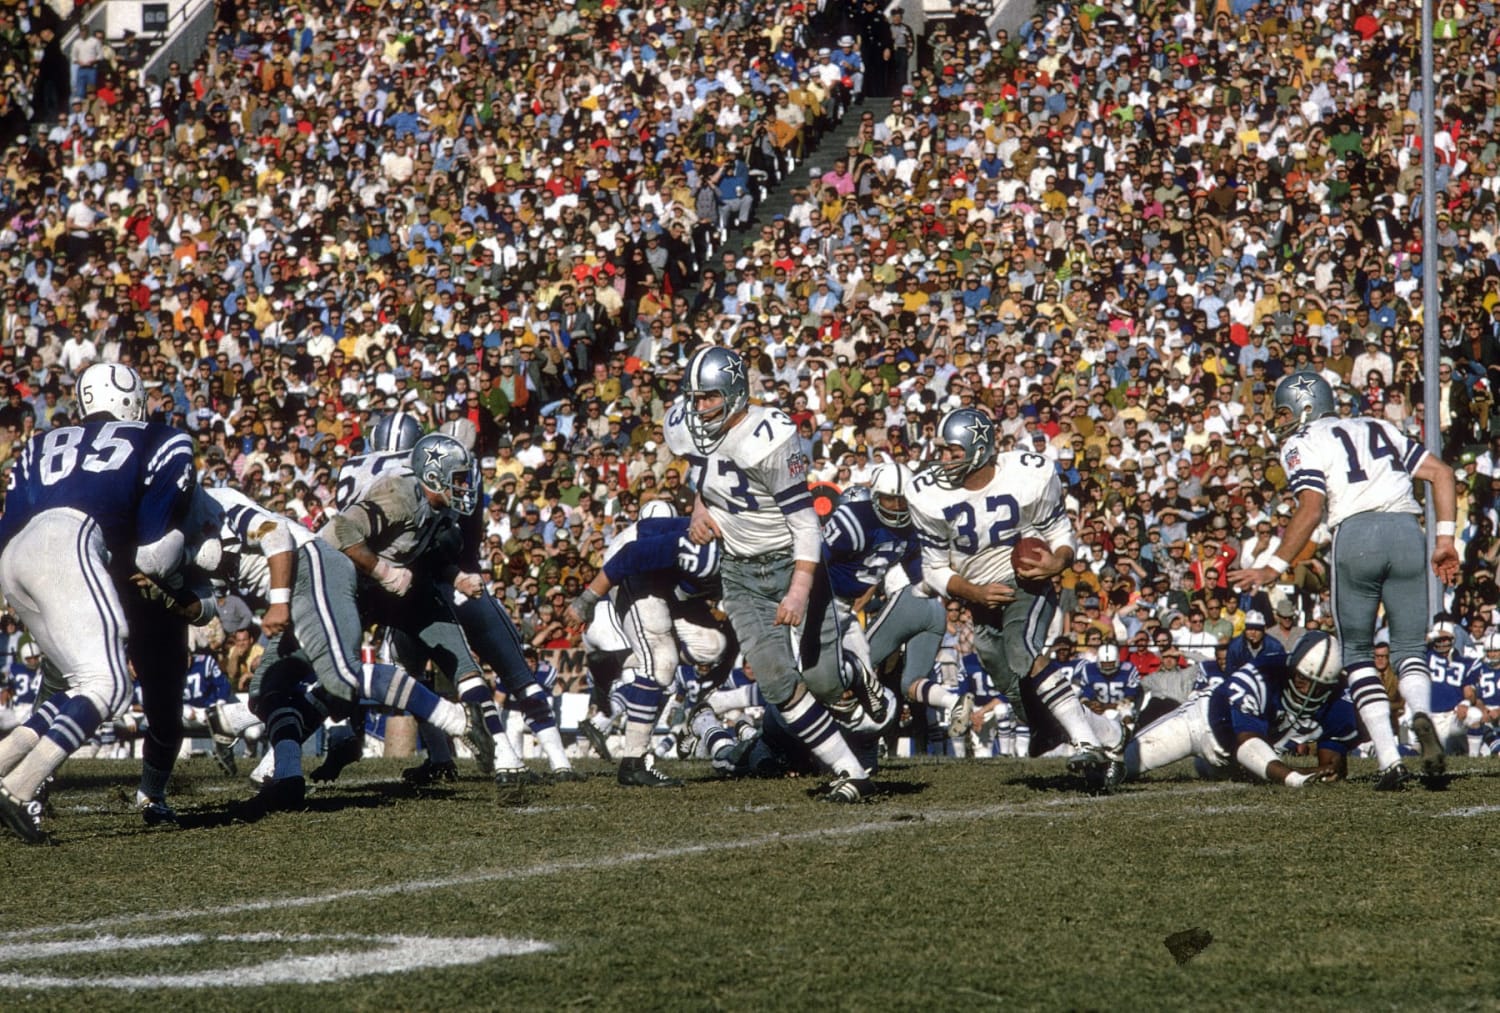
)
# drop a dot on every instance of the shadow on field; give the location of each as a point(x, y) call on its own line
point(255, 809)
point(1071, 783)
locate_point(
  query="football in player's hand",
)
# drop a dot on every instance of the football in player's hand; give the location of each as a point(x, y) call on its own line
point(1030, 551)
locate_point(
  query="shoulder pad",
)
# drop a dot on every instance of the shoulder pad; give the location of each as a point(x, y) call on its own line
point(763, 431)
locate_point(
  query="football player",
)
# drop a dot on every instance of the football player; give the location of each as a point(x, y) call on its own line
point(308, 590)
point(23, 684)
point(970, 507)
point(1483, 715)
point(752, 495)
point(1244, 717)
point(661, 581)
point(1360, 471)
point(1111, 692)
point(870, 542)
point(87, 505)
point(1453, 688)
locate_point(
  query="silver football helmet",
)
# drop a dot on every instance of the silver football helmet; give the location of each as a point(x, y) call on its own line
point(1318, 661)
point(461, 430)
point(1306, 396)
point(890, 482)
point(966, 443)
point(444, 467)
point(714, 370)
point(112, 389)
point(397, 431)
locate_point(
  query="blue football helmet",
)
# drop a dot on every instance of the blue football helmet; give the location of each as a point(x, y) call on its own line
point(397, 431)
point(1307, 396)
point(714, 370)
point(890, 481)
point(1319, 660)
point(444, 467)
point(968, 435)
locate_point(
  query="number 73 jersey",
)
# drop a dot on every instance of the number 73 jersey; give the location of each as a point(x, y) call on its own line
point(972, 531)
point(1361, 465)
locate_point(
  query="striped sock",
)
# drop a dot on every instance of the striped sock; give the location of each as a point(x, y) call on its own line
point(643, 698)
point(1374, 707)
point(810, 721)
point(1058, 695)
point(932, 694)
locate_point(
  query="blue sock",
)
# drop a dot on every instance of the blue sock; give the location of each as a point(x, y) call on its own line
point(77, 719)
point(42, 717)
point(285, 733)
point(536, 708)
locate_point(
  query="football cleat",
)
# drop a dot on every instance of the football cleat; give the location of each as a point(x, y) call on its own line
point(959, 717)
point(596, 739)
point(516, 776)
point(871, 696)
point(480, 740)
point(1434, 761)
point(287, 794)
point(350, 748)
point(24, 819)
point(155, 811)
point(637, 772)
point(428, 773)
point(1394, 778)
point(261, 775)
point(566, 775)
point(224, 757)
point(1088, 757)
point(846, 790)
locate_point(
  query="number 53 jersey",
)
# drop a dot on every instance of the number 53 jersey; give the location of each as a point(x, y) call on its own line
point(134, 479)
point(972, 531)
point(1361, 465)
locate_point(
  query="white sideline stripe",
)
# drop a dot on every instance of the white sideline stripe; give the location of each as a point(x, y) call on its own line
point(1468, 810)
point(379, 955)
point(896, 821)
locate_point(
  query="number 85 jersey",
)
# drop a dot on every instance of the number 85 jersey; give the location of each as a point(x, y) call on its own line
point(1360, 465)
point(971, 532)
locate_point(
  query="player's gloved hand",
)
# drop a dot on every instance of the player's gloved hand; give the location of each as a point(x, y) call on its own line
point(395, 579)
point(582, 609)
point(276, 619)
point(792, 608)
point(471, 584)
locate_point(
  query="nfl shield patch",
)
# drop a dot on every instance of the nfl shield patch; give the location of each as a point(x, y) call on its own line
point(798, 465)
point(1293, 459)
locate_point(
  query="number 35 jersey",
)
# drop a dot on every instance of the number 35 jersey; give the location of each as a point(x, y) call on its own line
point(1360, 465)
point(754, 484)
point(972, 531)
point(135, 479)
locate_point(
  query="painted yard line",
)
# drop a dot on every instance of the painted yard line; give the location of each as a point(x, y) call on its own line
point(895, 821)
point(1468, 810)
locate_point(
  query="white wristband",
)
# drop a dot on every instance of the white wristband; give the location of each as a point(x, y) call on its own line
point(1446, 529)
point(1278, 565)
point(280, 595)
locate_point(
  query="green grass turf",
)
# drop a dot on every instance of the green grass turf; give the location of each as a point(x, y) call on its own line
point(969, 884)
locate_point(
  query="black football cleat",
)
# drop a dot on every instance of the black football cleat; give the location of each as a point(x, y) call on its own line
point(24, 819)
point(635, 772)
point(428, 773)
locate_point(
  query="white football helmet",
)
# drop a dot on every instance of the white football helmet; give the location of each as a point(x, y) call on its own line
point(30, 652)
point(1319, 660)
point(1109, 658)
point(1492, 649)
point(657, 508)
point(112, 389)
point(890, 481)
point(1442, 631)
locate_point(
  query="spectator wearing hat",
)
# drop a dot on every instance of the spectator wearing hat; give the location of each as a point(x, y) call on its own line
point(1253, 645)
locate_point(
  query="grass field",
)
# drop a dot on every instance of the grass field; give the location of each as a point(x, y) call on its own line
point(969, 884)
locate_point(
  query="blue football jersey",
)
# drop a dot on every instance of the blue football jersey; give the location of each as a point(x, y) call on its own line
point(1249, 702)
point(206, 683)
point(1449, 677)
point(134, 479)
point(860, 549)
point(661, 547)
point(1208, 678)
point(1484, 679)
point(1093, 684)
point(25, 683)
point(546, 675)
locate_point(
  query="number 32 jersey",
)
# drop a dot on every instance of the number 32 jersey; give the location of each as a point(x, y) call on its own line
point(1361, 465)
point(972, 531)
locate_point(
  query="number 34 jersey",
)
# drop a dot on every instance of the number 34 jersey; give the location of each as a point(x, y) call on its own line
point(135, 479)
point(972, 531)
point(1360, 465)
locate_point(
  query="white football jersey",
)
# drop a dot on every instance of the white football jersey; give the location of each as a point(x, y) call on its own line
point(250, 533)
point(754, 484)
point(972, 531)
point(358, 474)
point(1360, 465)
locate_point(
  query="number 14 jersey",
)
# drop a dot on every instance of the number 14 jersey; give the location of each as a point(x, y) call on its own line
point(1360, 465)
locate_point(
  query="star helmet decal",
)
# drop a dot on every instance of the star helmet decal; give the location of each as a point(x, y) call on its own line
point(434, 456)
point(735, 367)
point(1304, 383)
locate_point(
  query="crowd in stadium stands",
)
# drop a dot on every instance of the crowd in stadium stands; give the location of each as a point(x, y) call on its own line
point(1115, 227)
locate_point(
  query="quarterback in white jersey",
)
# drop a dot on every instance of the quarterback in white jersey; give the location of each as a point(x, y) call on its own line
point(970, 508)
point(1360, 470)
point(751, 478)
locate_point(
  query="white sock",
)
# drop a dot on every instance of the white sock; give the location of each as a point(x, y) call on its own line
point(45, 757)
point(505, 755)
point(935, 694)
point(449, 717)
point(739, 698)
point(15, 746)
point(550, 739)
point(1416, 689)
